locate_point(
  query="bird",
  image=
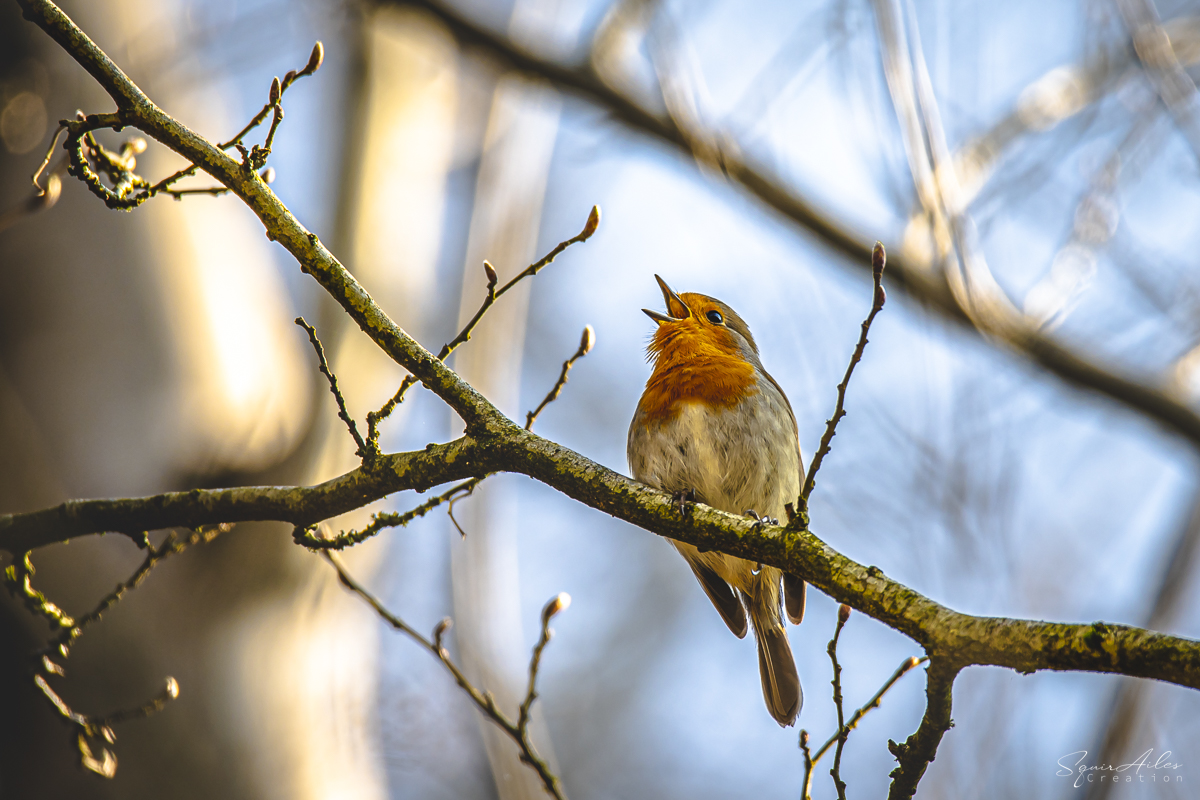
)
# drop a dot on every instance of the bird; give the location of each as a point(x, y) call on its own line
point(712, 426)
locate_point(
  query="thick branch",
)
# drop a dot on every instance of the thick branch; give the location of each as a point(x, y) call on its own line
point(299, 505)
point(1023, 645)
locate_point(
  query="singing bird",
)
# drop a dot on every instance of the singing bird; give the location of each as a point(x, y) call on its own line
point(714, 427)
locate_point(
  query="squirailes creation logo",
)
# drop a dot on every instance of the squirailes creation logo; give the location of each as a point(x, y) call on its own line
point(1146, 768)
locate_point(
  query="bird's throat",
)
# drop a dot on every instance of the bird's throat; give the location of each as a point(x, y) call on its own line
point(715, 379)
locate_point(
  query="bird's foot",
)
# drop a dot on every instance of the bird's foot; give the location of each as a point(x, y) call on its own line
point(682, 498)
point(759, 521)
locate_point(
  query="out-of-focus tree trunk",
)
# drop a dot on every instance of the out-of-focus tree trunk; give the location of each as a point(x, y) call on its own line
point(310, 669)
point(508, 205)
point(518, 147)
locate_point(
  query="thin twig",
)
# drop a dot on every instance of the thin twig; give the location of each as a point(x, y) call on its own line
point(124, 196)
point(559, 603)
point(306, 536)
point(39, 201)
point(258, 155)
point(315, 58)
point(843, 731)
point(267, 175)
point(333, 387)
point(811, 760)
point(585, 346)
point(493, 294)
point(97, 729)
point(18, 577)
point(484, 701)
point(908, 664)
point(450, 510)
point(878, 260)
point(49, 155)
point(170, 546)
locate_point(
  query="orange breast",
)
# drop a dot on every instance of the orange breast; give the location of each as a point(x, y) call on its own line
point(694, 366)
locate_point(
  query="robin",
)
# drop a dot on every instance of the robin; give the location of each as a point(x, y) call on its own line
point(713, 427)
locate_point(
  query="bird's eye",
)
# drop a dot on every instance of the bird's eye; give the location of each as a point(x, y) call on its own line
point(715, 317)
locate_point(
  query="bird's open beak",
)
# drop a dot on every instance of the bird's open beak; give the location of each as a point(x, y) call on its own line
point(676, 308)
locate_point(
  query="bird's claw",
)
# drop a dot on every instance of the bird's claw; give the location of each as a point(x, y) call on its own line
point(760, 521)
point(681, 499)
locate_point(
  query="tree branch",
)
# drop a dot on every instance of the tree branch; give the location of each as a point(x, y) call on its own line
point(1022, 645)
point(586, 341)
point(842, 731)
point(343, 414)
point(299, 505)
point(920, 748)
point(517, 731)
point(135, 109)
point(810, 759)
point(464, 336)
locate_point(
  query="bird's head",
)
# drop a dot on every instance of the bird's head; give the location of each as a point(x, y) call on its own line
point(698, 326)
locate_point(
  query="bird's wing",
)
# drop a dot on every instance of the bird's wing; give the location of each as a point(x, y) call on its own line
point(793, 598)
point(722, 596)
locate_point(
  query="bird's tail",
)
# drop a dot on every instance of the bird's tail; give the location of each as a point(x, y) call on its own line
point(776, 666)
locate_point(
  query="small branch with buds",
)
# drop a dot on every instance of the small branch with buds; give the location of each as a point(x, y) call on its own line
point(878, 260)
point(493, 294)
point(517, 731)
point(586, 342)
point(95, 730)
point(130, 190)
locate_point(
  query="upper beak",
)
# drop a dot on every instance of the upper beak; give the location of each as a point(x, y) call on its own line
point(676, 308)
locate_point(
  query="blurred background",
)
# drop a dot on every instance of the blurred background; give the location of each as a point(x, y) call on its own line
point(154, 350)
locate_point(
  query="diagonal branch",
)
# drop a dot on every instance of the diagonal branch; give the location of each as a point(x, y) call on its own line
point(323, 365)
point(811, 759)
point(1171, 82)
point(135, 109)
point(517, 731)
point(305, 536)
point(96, 730)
